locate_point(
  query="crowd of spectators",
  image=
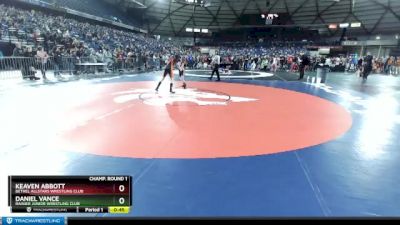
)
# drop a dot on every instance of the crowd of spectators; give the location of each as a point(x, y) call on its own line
point(75, 39)
point(381, 65)
point(288, 59)
point(246, 56)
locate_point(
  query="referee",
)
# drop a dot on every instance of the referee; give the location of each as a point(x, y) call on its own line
point(305, 61)
point(216, 60)
point(367, 66)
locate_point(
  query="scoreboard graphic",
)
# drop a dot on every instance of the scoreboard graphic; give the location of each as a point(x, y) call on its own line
point(70, 194)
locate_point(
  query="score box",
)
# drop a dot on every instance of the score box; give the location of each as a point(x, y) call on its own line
point(66, 193)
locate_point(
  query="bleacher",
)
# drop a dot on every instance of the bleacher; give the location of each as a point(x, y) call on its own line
point(395, 52)
point(96, 8)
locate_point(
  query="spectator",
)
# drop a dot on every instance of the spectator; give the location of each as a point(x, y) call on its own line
point(57, 61)
point(18, 52)
point(42, 61)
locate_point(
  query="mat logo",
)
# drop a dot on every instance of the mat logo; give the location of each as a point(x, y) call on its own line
point(191, 95)
point(9, 220)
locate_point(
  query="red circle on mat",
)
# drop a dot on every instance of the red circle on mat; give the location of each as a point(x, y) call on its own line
point(278, 120)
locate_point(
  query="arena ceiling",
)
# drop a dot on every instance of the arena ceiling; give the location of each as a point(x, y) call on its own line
point(172, 16)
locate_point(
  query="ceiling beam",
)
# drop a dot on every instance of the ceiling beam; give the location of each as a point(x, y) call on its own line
point(362, 24)
point(130, 2)
point(193, 15)
point(300, 7)
point(379, 21)
point(184, 25)
point(273, 5)
point(258, 6)
point(234, 11)
point(241, 12)
point(166, 17)
point(288, 11)
point(319, 17)
point(388, 8)
point(213, 16)
point(329, 7)
point(150, 5)
point(344, 20)
point(319, 14)
point(170, 20)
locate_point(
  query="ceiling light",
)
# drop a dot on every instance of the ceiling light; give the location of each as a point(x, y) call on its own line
point(332, 26)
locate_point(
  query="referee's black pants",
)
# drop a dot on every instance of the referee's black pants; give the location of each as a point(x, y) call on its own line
point(215, 70)
point(301, 70)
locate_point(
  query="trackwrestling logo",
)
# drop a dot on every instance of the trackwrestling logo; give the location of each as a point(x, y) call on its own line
point(191, 95)
point(34, 220)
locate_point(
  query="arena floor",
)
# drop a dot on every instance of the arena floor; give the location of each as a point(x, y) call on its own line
point(254, 144)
